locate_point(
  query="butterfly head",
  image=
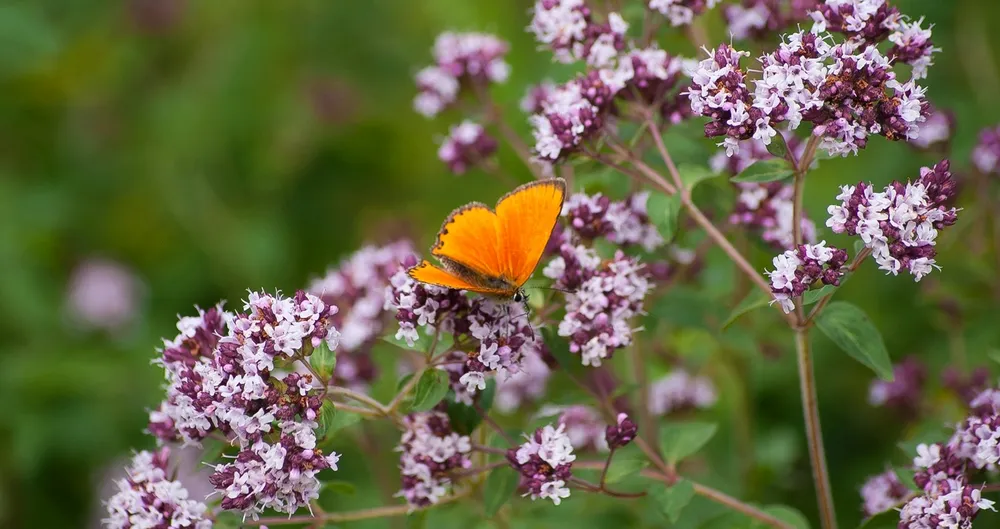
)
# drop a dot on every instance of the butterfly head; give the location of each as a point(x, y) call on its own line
point(520, 296)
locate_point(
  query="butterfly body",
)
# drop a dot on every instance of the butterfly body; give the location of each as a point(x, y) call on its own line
point(494, 252)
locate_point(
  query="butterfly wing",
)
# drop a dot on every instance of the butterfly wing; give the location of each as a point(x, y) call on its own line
point(425, 272)
point(470, 236)
point(526, 217)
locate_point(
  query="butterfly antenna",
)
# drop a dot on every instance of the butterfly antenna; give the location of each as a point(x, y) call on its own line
point(556, 288)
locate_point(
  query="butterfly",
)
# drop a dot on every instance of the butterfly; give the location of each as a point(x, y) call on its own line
point(494, 252)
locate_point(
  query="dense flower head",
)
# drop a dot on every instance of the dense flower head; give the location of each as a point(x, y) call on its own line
point(566, 120)
point(545, 463)
point(986, 154)
point(603, 298)
point(527, 385)
point(536, 96)
point(147, 498)
point(681, 12)
point(467, 145)
point(882, 492)
point(429, 451)
point(937, 130)
point(569, 29)
point(279, 475)
point(847, 91)
point(936, 464)
point(652, 74)
point(769, 209)
point(796, 270)
point(582, 424)
point(621, 433)
point(501, 330)
point(184, 414)
point(985, 403)
point(460, 58)
point(977, 440)
point(901, 223)
point(905, 390)
point(867, 20)
point(912, 45)
point(955, 504)
point(719, 91)
point(357, 287)
point(679, 391)
point(622, 222)
point(760, 18)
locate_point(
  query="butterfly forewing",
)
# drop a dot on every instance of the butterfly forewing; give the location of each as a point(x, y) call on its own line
point(471, 236)
point(526, 218)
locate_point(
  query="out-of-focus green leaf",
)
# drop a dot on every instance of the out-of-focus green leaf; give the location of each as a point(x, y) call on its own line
point(754, 300)
point(500, 485)
point(673, 499)
point(431, 388)
point(763, 171)
point(679, 440)
point(692, 175)
point(622, 467)
point(663, 210)
point(323, 361)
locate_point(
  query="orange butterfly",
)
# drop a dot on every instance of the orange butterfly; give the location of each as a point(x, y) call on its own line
point(494, 253)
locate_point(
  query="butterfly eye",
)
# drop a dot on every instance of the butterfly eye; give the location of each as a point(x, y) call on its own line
point(519, 297)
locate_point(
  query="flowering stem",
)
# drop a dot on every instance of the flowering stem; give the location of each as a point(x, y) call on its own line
point(340, 406)
point(360, 397)
point(607, 465)
point(704, 491)
point(814, 433)
point(387, 511)
point(706, 224)
point(489, 449)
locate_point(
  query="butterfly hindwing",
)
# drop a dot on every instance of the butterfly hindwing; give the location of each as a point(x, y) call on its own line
point(470, 236)
point(425, 272)
point(526, 218)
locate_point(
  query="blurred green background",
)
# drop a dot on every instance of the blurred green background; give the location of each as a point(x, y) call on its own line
point(210, 147)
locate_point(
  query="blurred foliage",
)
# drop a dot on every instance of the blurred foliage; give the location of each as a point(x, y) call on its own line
point(218, 146)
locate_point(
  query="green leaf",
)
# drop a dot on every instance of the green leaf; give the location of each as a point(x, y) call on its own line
point(672, 500)
point(791, 516)
point(323, 361)
point(332, 420)
point(679, 440)
point(416, 520)
point(499, 486)
point(464, 418)
point(30, 40)
point(778, 147)
point(883, 520)
point(905, 475)
point(812, 296)
point(754, 300)
point(227, 520)
point(340, 487)
point(692, 175)
point(994, 355)
point(763, 171)
point(850, 328)
point(663, 210)
point(432, 386)
point(858, 246)
point(622, 468)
